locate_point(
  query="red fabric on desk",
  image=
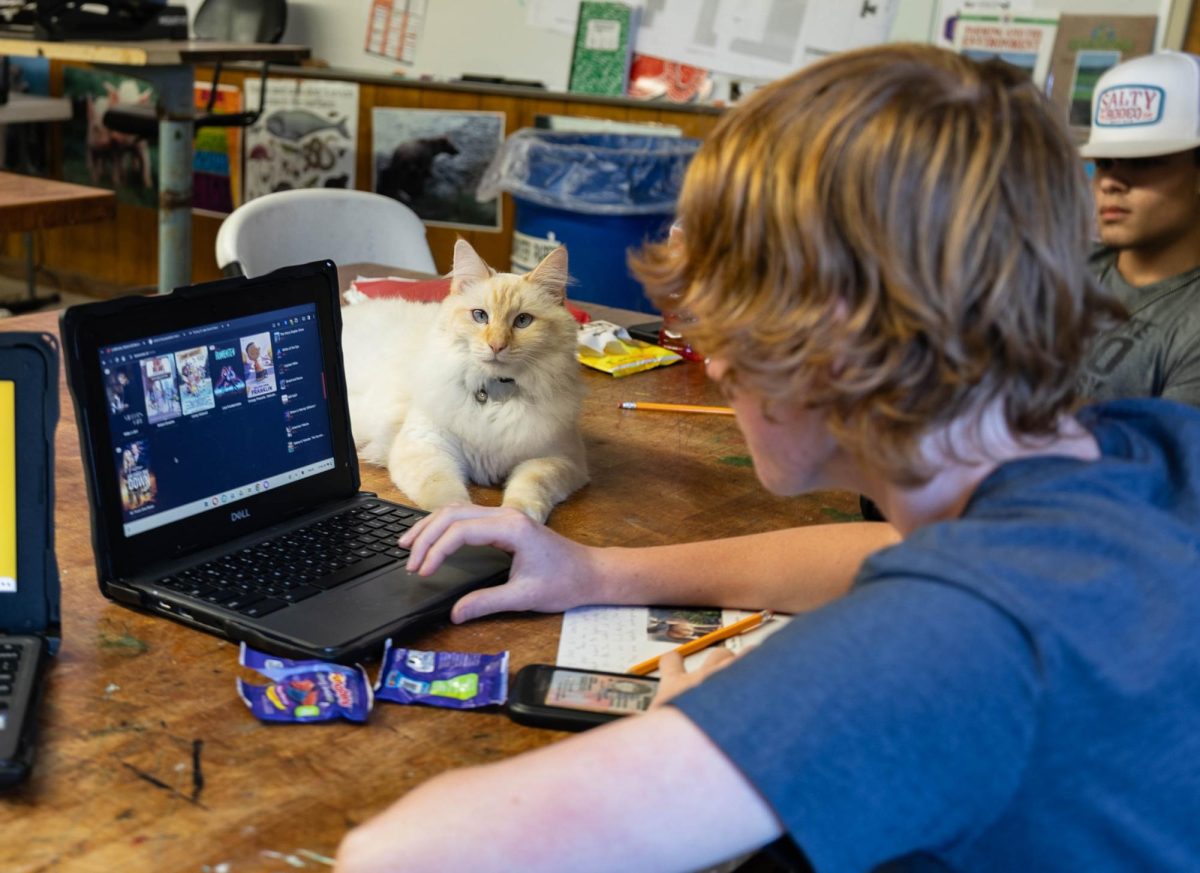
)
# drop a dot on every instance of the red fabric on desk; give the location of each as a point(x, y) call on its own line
point(426, 291)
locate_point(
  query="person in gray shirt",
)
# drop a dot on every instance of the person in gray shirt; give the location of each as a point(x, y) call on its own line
point(1145, 143)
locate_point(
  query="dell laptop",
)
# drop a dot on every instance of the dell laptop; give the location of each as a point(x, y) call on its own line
point(222, 477)
point(29, 593)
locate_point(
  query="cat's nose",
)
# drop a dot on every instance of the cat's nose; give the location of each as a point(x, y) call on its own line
point(497, 348)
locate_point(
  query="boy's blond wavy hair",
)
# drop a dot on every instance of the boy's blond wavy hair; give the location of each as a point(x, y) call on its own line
point(896, 236)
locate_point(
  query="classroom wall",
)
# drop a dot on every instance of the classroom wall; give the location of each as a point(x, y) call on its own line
point(488, 37)
point(105, 259)
point(491, 37)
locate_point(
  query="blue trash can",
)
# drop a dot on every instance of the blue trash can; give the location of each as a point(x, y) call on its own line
point(600, 194)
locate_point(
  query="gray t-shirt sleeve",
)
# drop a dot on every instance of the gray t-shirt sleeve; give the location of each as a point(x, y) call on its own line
point(895, 720)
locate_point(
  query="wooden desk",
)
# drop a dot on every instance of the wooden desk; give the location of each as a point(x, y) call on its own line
point(170, 65)
point(29, 203)
point(148, 760)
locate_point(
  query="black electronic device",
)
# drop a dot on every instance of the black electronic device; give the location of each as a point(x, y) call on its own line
point(29, 587)
point(222, 477)
point(570, 699)
point(109, 20)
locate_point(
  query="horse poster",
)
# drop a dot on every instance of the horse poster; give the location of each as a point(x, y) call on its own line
point(306, 137)
point(431, 160)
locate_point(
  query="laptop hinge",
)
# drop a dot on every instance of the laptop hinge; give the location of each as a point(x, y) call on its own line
point(123, 593)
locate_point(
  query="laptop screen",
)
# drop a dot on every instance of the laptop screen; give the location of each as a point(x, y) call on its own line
point(210, 415)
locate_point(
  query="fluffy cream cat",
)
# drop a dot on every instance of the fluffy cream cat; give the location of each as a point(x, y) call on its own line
point(482, 387)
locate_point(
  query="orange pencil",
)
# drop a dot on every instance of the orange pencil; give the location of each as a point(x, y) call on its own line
point(675, 407)
point(722, 633)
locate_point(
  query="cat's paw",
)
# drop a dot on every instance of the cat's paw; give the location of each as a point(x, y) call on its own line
point(538, 510)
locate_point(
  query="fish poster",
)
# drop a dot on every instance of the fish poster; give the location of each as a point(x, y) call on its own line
point(432, 160)
point(306, 137)
point(93, 154)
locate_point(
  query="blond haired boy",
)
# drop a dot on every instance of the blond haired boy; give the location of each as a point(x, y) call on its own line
point(882, 253)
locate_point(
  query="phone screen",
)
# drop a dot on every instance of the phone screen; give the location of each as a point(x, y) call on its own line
point(8, 487)
point(593, 692)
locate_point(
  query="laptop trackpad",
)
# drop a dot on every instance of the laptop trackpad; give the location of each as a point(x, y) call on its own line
point(388, 597)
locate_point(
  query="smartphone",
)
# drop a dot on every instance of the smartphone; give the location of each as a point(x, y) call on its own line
point(646, 332)
point(568, 699)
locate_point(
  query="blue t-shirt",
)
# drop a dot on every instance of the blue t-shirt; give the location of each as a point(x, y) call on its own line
point(1017, 689)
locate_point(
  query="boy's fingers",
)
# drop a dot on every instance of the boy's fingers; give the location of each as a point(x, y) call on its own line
point(670, 664)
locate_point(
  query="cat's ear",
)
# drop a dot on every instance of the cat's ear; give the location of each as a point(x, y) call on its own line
point(469, 268)
point(551, 274)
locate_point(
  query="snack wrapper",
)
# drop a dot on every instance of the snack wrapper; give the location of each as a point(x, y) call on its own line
point(457, 680)
point(609, 348)
point(304, 691)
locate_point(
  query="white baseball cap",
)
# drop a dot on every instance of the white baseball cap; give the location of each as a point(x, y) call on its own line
point(1145, 107)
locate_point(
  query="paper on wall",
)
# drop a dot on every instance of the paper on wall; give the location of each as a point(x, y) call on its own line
point(1025, 41)
point(950, 9)
point(394, 28)
point(759, 39)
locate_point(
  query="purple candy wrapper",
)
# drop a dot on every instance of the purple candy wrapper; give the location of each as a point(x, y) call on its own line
point(458, 680)
point(304, 691)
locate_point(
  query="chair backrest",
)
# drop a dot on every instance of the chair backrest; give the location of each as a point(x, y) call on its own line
point(308, 224)
point(241, 20)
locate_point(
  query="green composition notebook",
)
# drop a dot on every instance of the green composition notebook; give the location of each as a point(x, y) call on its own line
point(603, 48)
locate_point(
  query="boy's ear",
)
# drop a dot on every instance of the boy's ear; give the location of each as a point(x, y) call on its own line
point(469, 268)
point(551, 274)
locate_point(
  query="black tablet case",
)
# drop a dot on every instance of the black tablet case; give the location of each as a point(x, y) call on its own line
point(31, 360)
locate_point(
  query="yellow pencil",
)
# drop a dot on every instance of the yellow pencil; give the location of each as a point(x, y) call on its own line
point(722, 633)
point(676, 407)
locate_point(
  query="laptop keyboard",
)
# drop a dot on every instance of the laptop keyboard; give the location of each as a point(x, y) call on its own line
point(271, 575)
point(10, 660)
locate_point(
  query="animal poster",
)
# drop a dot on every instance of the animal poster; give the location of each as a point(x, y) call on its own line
point(93, 154)
point(305, 138)
point(432, 161)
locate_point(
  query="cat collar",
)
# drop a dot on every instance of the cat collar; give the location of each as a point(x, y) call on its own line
point(496, 389)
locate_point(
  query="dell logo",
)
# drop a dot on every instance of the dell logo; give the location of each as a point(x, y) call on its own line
point(239, 515)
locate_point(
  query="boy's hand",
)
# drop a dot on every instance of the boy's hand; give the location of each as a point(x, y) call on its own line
point(550, 573)
point(675, 679)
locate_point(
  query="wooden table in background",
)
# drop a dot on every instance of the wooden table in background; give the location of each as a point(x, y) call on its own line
point(30, 203)
point(148, 760)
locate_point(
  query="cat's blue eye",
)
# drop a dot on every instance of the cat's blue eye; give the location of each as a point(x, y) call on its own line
point(523, 320)
point(480, 316)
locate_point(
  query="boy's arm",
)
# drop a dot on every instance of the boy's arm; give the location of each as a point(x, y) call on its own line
point(790, 570)
point(651, 787)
